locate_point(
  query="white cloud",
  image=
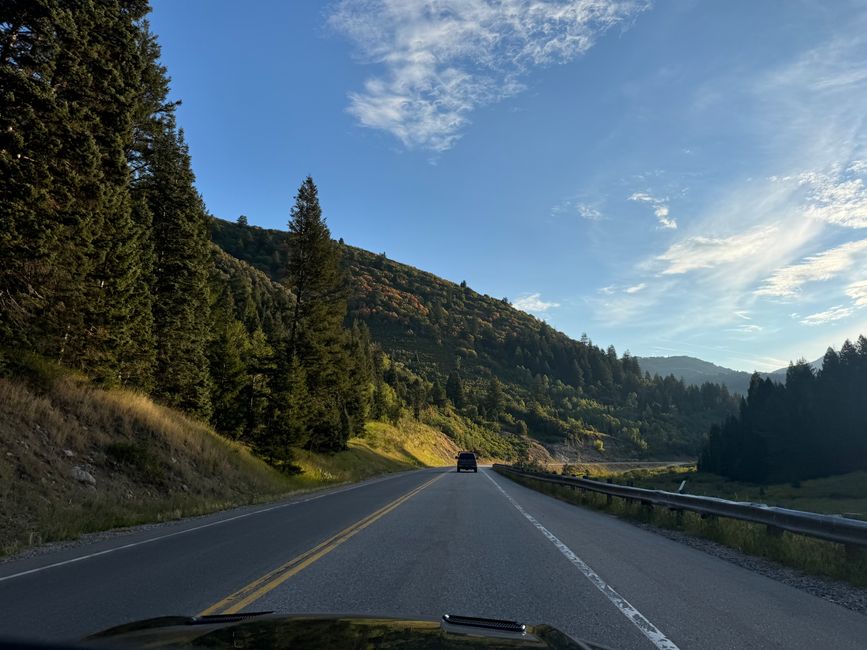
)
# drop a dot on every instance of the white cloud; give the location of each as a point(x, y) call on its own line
point(857, 291)
point(701, 252)
point(589, 212)
point(857, 167)
point(572, 207)
point(822, 317)
point(660, 209)
point(787, 281)
point(743, 314)
point(839, 197)
point(636, 288)
point(746, 329)
point(534, 303)
point(443, 59)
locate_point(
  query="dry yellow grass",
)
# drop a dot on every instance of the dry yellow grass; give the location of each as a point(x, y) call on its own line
point(150, 462)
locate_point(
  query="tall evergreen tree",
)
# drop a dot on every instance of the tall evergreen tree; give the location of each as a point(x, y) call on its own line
point(316, 337)
point(494, 399)
point(289, 412)
point(73, 287)
point(258, 390)
point(228, 354)
point(455, 390)
point(181, 269)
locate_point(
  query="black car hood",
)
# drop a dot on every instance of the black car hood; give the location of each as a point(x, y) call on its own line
point(268, 632)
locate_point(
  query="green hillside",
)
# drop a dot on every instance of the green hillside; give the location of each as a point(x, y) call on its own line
point(516, 372)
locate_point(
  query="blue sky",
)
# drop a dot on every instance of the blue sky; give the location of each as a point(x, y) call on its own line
point(670, 177)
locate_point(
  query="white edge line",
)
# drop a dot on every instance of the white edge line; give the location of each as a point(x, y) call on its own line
point(647, 628)
point(195, 528)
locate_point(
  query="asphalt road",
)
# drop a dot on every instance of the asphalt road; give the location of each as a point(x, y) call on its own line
point(422, 544)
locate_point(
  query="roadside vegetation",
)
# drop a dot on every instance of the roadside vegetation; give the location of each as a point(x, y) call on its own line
point(77, 458)
point(803, 553)
point(845, 494)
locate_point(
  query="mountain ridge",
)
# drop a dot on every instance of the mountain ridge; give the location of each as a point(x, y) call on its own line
point(518, 373)
point(695, 371)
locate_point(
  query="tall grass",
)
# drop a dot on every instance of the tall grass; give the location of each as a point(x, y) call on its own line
point(151, 463)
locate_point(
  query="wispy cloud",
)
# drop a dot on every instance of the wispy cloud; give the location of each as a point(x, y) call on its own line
point(589, 212)
point(822, 317)
point(442, 59)
point(787, 281)
point(635, 288)
point(857, 291)
point(573, 207)
point(836, 196)
point(746, 329)
point(533, 303)
point(743, 314)
point(660, 209)
point(701, 252)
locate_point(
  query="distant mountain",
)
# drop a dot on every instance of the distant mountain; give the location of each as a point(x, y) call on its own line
point(697, 371)
point(780, 374)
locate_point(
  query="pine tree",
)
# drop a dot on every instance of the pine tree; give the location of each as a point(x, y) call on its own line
point(494, 399)
point(438, 394)
point(289, 412)
point(40, 202)
point(359, 393)
point(455, 390)
point(228, 353)
point(181, 270)
point(316, 337)
point(72, 285)
point(258, 391)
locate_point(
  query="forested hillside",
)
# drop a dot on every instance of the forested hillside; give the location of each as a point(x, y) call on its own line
point(107, 265)
point(499, 366)
point(108, 269)
point(813, 425)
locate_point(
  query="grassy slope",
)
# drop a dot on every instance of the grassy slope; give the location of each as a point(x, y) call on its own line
point(150, 463)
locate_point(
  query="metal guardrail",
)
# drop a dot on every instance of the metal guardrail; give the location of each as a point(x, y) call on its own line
point(832, 528)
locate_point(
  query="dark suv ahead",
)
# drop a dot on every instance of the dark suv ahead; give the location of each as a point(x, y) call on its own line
point(467, 460)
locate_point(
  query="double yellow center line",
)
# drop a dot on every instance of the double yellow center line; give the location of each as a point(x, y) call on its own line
point(234, 603)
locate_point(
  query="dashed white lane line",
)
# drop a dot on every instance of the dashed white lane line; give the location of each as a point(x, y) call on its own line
point(647, 628)
point(195, 528)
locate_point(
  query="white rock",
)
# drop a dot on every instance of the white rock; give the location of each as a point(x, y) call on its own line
point(83, 475)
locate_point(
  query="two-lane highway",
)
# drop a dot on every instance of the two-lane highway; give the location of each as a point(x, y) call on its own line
point(419, 545)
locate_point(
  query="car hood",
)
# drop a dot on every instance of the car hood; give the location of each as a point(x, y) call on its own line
point(268, 631)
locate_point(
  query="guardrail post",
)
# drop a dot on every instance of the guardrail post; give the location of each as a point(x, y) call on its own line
point(678, 515)
point(608, 497)
point(774, 531)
